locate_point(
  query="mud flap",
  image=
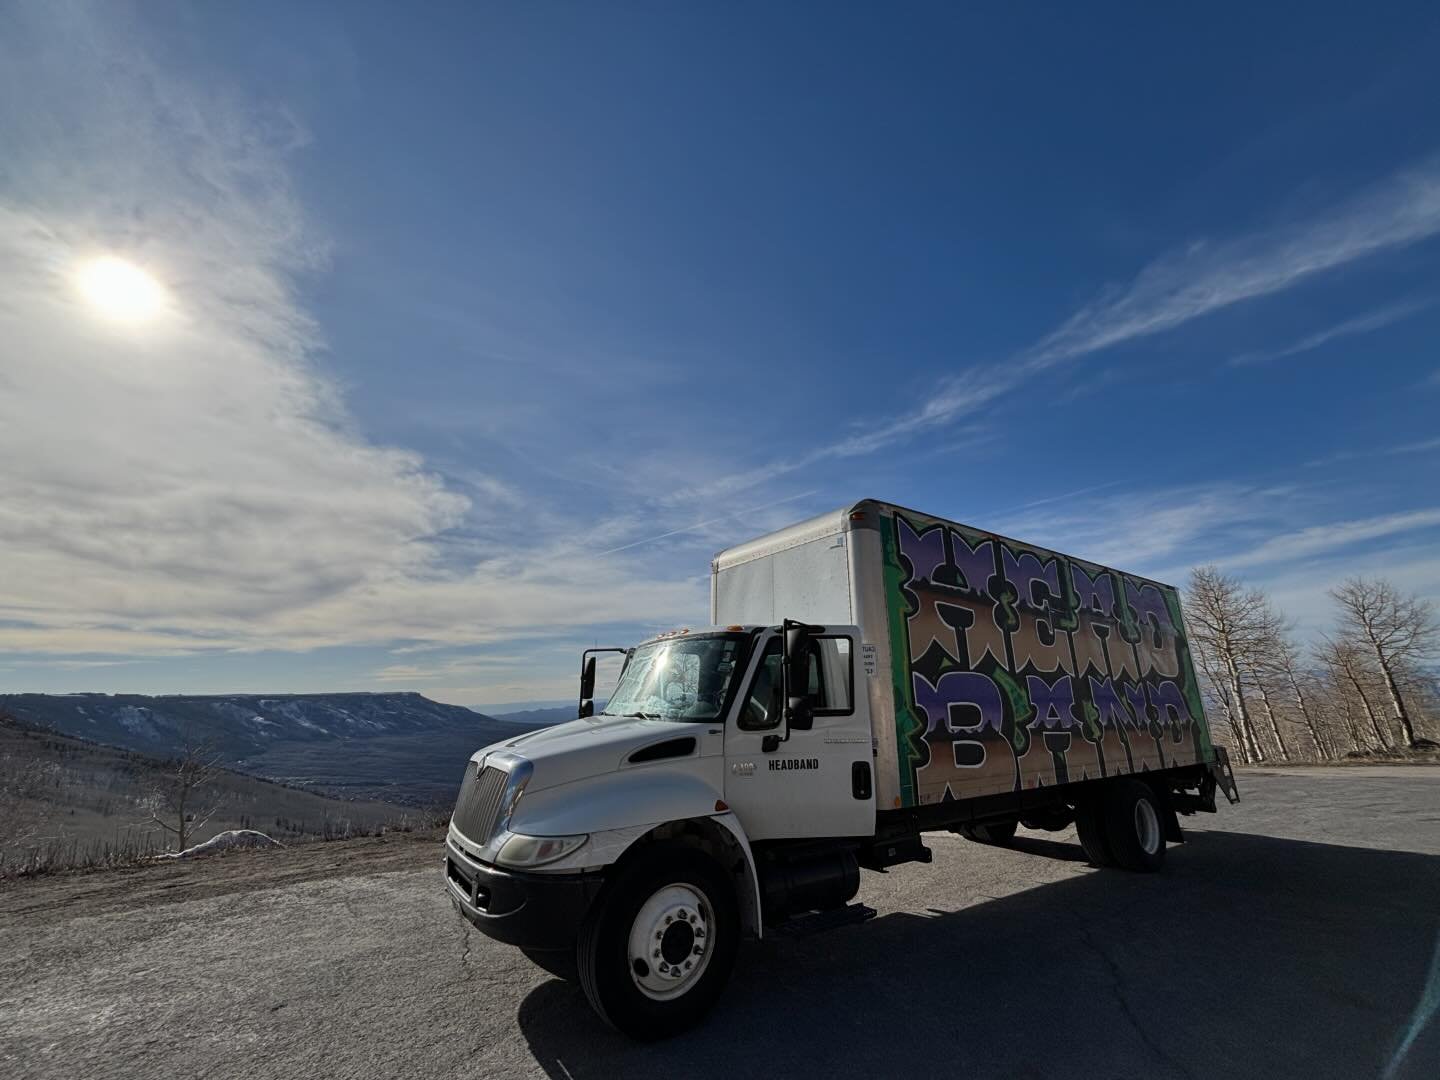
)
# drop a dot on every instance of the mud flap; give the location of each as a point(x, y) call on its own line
point(1173, 833)
point(1223, 776)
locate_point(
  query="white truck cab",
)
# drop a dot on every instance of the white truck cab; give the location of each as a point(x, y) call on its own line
point(740, 775)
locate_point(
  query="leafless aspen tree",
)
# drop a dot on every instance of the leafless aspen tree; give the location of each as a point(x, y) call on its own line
point(1221, 697)
point(1228, 627)
point(1399, 630)
point(1347, 666)
point(1285, 662)
point(184, 802)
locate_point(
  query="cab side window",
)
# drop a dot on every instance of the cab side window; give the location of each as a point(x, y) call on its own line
point(763, 708)
point(832, 676)
point(830, 684)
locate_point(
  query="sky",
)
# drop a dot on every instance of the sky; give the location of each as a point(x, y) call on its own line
point(482, 327)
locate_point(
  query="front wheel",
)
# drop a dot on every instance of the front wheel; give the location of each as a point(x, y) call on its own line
point(657, 949)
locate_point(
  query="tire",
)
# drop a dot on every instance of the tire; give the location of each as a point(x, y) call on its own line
point(1090, 827)
point(557, 962)
point(994, 833)
point(675, 901)
point(1134, 826)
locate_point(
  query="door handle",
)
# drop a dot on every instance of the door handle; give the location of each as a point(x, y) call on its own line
point(860, 779)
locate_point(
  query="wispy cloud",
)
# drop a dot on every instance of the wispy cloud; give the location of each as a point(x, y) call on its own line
point(1207, 277)
point(699, 525)
point(1424, 446)
point(196, 484)
point(1331, 536)
point(1176, 289)
point(1247, 529)
point(1361, 324)
point(1148, 531)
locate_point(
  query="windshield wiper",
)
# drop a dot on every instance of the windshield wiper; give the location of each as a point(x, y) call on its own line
point(642, 715)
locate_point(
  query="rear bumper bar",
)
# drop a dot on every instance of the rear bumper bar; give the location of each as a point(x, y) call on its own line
point(531, 911)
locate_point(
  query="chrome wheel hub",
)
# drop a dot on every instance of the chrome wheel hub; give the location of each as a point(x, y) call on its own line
point(671, 941)
point(1147, 826)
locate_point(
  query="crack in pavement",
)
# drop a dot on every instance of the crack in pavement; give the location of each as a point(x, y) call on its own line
point(469, 972)
point(1117, 987)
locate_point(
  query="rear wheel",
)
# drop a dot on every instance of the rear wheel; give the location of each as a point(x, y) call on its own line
point(1090, 827)
point(1134, 829)
point(995, 833)
point(657, 949)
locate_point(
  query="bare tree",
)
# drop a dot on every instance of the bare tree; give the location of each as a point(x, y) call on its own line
point(1272, 632)
point(1399, 630)
point(1221, 697)
point(1228, 627)
point(1285, 661)
point(1347, 666)
point(185, 800)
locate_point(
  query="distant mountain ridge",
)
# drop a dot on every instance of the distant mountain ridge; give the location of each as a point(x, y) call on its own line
point(395, 746)
point(544, 716)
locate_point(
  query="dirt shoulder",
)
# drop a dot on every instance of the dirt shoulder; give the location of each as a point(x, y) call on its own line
point(98, 892)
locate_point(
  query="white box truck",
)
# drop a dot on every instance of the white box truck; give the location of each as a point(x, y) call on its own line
point(872, 674)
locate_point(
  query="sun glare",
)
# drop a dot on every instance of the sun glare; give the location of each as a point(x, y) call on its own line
point(120, 290)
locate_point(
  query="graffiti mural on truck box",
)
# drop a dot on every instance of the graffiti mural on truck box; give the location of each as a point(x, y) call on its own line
point(1020, 668)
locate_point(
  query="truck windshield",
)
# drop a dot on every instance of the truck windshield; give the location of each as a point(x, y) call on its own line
point(685, 678)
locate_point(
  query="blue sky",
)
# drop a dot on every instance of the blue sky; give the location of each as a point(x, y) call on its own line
point(486, 325)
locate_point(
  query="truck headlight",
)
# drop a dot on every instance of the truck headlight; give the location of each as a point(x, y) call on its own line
point(522, 851)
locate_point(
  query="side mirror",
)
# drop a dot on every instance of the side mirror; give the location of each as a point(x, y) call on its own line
point(587, 687)
point(587, 679)
point(796, 663)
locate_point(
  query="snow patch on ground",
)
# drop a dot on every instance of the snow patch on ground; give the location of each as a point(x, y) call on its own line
point(138, 720)
point(231, 840)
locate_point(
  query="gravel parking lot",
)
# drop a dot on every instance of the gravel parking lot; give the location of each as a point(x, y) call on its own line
point(1293, 935)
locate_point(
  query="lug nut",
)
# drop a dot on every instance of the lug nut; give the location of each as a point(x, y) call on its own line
point(664, 968)
point(668, 920)
point(698, 950)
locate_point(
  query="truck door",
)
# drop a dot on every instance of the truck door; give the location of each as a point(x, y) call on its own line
point(816, 782)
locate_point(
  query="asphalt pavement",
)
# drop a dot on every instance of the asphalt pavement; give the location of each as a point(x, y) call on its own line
point(1294, 935)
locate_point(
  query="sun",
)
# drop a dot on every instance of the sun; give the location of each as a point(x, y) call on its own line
point(120, 290)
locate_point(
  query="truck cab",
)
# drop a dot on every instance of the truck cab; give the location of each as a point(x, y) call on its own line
point(716, 745)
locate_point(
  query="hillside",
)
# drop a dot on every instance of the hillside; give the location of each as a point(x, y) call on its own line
point(66, 801)
point(401, 747)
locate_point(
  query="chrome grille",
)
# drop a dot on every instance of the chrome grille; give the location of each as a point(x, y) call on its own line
point(478, 807)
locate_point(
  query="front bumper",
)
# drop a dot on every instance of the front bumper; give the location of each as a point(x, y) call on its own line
point(528, 910)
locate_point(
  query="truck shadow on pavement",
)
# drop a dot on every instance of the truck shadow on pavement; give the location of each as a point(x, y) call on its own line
point(1248, 956)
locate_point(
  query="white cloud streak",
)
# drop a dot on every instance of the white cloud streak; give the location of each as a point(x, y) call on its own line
point(1361, 324)
point(1330, 537)
point(1423, 446)
point(1170, 292)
